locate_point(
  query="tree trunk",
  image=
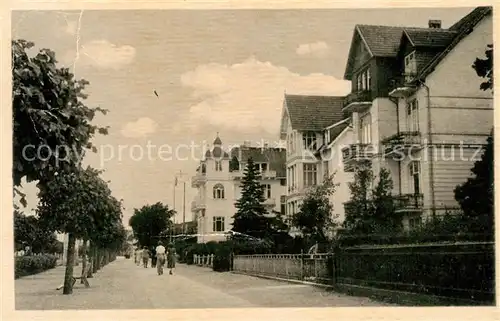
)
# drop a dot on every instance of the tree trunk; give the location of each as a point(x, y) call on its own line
point(68, 276)
point(84, 260)
point(96, 260)
point(91, 259)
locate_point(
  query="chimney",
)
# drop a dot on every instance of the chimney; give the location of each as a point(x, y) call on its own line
point(435, 24)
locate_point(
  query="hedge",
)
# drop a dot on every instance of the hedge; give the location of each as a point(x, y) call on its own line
point(33, 264)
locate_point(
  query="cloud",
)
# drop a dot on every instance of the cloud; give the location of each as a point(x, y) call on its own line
point(101, 53)
point(142, 127)
point(248, 96)
point(317, 49)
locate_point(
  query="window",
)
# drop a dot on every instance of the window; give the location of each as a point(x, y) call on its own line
point(326, 171)
point(218, 224)
point(309, 140)
point(310, 172)
point(218, 191)
point(327, 136)
point(412, 116)
point(415, 176)
point(267, 190)
point(414, 222)
point(218, 166)
point(262, 167)
point(410, 64)
point(283, 182)
point(283, 209)
point(364, 80)
point(366, 130)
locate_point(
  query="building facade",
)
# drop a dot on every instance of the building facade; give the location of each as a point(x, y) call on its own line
point(309, 124)
point(218, 182)
point(415, 108)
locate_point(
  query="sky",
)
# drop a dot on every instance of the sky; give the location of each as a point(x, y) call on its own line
point(174, 79)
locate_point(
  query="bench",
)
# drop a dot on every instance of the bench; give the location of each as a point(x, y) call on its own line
point(82, 277)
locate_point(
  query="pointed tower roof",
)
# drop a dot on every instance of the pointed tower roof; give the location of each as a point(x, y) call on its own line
point(217, 141)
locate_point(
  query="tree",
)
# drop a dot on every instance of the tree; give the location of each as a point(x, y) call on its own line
point(151, 221)
point(316, 218)
point(385, 219)
point(371, 211)
point(359, 207)
point(476, 195)
point(484, 68)
point(28, 231)
point(48, 116)
point(250, 217)
point(80, 204)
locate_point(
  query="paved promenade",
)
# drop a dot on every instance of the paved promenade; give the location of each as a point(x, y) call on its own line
point(124, 285)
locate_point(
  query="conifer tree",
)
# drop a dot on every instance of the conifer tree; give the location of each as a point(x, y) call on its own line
point(476, 195)
point(250, 217)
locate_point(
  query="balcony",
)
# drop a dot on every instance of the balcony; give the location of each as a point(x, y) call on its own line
point(409, 203)
point(270, 202)
point(198, 180)
point(357, 101)
point(198, 204)
point(356, 154)
point(403, 86)
point(402, 144)
point(237, 175)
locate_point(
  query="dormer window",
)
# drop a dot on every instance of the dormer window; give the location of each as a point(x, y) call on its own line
point(410, 65)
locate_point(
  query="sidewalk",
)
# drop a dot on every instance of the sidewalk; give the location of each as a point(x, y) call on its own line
point(120, 285)
point(124, 285)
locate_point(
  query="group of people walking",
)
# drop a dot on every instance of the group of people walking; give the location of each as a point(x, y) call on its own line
point(159, 256)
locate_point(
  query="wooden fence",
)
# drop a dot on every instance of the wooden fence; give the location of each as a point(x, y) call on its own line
point(455, 270)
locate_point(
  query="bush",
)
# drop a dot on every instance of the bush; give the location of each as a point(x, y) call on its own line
point(223, 257)
point(33, 264)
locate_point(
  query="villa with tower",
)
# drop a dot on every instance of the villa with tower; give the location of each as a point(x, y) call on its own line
point(218, 182)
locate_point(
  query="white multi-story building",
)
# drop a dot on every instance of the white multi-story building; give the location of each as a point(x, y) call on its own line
point(305, 124)
point(218, 181)
point(415, 109)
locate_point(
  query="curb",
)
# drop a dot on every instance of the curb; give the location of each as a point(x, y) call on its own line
point(325, 286)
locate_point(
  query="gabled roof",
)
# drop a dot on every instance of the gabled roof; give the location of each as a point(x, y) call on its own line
point(335, 131)
point(463, 27)
point(384, 41)
point(313, 113)
point(275, 157)
point(429, 37)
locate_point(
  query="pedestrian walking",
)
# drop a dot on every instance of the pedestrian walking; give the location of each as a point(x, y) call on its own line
point(160, 257)
point(153, 257)
point(137, 256)
point(145, 256)
point(171, 258)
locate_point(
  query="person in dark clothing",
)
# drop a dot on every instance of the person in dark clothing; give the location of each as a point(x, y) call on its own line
point(153, 257)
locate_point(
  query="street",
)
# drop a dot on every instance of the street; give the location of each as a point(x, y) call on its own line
point(124, 285)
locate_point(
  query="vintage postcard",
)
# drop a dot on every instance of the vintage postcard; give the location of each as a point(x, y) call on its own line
point(227, 160)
